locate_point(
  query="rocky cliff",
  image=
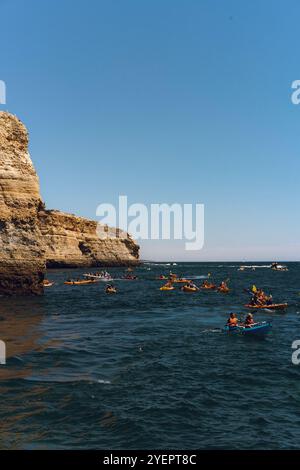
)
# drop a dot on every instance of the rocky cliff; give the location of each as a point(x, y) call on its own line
point(72, 241)
point(21, 251)
point(32, 237)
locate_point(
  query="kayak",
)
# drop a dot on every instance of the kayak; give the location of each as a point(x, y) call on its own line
point(258, 329)
point(79, 283)
point(111, 291)
point(189, 289)
point(183, 281)
point(166, 288)
point(223, 290)
point(212, 287)
point(271, 307)
point(47, 283)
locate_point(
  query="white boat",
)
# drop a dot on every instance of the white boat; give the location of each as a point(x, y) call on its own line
point(278, 267)
point(99, 277)
point(253, 267)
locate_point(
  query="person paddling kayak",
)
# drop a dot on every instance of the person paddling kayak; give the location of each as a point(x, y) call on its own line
point(249, 320)
point(223, 287)
point(207, 285)
point(232, 320)
point(192, 284)
point(110, 289)
point(259, 298)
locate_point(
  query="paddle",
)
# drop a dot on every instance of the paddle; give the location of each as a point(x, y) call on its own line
point(248, 291)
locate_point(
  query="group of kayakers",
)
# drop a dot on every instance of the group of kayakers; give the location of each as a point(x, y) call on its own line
point(233, 321)
point(190, 286)
point(99, 275)
point(95, 277)
point(258, 297)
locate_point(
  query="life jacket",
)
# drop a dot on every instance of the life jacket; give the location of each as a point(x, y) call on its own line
point(233, 321)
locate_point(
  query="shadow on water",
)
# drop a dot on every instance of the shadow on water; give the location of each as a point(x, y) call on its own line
point(20, 320)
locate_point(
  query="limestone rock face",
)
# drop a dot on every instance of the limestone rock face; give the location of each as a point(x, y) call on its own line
point(72, 241)
point(31, 236)
point(21, 252)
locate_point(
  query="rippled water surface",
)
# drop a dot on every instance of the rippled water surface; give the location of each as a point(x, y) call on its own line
point(149, 369)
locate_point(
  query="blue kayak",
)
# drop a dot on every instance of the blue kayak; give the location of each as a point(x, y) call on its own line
point(258, 329)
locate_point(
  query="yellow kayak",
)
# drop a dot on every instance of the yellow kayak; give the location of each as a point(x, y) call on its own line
point(166, 288)
point(79, 283)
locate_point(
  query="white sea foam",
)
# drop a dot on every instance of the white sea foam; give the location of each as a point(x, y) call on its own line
point(197, 277)
point(212, 330)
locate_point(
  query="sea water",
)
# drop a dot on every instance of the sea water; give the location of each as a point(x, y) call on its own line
point(150, 369)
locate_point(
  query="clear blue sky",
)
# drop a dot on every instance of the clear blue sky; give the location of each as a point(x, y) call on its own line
point(165, 101)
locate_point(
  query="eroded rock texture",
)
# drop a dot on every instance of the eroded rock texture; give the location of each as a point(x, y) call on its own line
point(22, 262)
point(72, 241)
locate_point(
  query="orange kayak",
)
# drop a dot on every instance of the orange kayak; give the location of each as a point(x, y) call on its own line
point(271, 307)
point(189, 289)
point(224, 291)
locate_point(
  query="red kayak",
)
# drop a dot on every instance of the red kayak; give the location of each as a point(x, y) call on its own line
point(271, 307)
